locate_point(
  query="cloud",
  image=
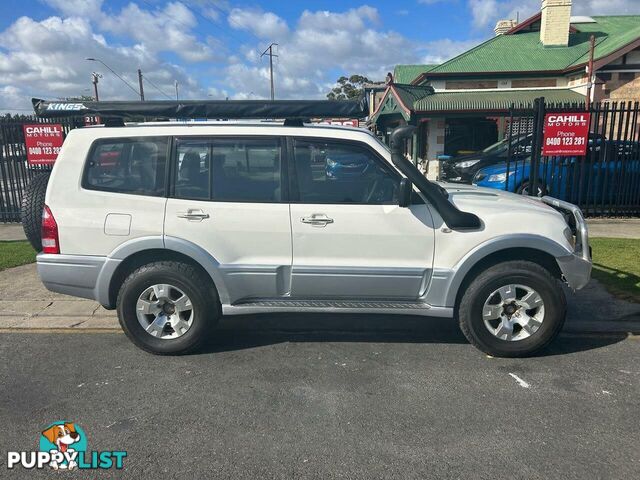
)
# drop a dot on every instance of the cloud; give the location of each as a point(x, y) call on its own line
point(77, 8)
point(47, 59)
point(174, 40)
point(322, 46)
point(265, 25)
point(166, 29)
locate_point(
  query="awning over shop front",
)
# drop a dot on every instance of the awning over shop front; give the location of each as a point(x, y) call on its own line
point(409, 100)
point(492, 101)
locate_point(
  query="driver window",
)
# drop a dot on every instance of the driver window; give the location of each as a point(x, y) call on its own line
point(342, 173)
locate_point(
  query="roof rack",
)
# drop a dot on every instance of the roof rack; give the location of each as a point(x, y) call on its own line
point(294, 112)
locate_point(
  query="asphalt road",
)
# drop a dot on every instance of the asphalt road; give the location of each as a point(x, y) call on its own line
point(410, 400)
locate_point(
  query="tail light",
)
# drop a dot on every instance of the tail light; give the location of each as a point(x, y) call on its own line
point(50, 242)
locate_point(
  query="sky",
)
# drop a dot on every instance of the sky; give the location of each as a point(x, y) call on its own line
point(212, 47)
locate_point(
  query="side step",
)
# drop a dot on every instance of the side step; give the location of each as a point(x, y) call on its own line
point(336, 306)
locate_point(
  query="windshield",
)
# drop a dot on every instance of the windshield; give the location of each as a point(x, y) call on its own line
point(497, 147)
point(503, 145)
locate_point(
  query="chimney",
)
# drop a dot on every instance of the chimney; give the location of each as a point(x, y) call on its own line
point(554, 26)
point(503, 26)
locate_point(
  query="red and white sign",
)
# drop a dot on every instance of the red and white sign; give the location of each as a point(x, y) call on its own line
point(566, 134)
point(43, 142)
point(345, 122)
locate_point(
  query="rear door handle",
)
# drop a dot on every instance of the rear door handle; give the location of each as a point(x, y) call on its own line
point(317, 220)
point(194, 215)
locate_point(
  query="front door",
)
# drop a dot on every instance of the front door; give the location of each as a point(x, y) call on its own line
point(228, 200)
point(351, 240)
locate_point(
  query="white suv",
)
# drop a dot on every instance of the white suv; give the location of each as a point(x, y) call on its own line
point(177, 224)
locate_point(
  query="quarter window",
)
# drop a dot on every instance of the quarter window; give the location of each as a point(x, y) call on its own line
point(128, 165)
point(342, 173)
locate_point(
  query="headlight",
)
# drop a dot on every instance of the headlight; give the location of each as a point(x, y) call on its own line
point(499, 177)
point(331, 163)
point(468, 163)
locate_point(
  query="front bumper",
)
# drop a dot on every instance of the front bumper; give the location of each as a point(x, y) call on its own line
point(576, 268)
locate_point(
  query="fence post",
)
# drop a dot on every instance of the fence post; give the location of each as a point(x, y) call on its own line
point(536, 143)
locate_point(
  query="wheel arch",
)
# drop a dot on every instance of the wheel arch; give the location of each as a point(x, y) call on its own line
point(533, 248)
point(127, 259)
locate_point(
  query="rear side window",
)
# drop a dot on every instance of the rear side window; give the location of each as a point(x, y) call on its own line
point(128, 165)
point(229, 169)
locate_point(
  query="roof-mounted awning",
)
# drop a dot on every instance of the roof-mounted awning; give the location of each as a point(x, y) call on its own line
point(211, 109)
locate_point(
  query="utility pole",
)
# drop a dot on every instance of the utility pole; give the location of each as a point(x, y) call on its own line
point(94, 79)
point(141, 86)
point(177, 98)
point(271, 55)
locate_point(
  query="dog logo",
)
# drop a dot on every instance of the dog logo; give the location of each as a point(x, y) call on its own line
point(63, 446)
point(63, 436)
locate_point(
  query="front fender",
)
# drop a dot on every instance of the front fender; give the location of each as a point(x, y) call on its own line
point(446, 283)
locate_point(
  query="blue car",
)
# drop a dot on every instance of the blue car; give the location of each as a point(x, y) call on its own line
point(345, 166)
point(609, 169)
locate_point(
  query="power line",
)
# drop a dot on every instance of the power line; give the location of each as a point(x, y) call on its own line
point(157, 88)
point(114, 72)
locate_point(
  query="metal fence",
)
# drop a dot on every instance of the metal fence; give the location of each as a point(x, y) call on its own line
point(605, 181)
point(15, 172)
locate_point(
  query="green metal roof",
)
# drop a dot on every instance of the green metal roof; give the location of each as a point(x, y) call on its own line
point(523, 52)
point(492, 100)
point(408, 73)
point(423, 100)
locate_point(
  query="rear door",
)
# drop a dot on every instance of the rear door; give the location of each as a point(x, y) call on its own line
point(228, 199)
point(350, 237)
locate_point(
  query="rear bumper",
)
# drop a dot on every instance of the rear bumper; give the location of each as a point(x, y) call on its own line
point(76, 275)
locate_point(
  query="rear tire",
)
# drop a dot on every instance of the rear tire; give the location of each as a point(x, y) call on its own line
point(159, 336)
point(482, 301)
point(31, 209)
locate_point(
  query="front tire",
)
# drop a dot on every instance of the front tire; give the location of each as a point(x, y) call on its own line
point(512, 309)
point(168, 308)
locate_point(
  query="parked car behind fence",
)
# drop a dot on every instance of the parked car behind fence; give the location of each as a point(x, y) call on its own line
point(607, 174)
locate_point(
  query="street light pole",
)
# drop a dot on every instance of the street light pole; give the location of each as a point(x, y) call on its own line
point(141, 86)
point(176, 82)
point(94, 79)
point(113, 71)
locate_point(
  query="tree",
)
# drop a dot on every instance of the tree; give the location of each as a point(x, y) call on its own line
point(348, 88)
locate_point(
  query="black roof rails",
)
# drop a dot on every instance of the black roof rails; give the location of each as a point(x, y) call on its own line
point(292, 110)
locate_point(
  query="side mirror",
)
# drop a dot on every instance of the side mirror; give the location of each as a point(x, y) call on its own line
point(405, 192)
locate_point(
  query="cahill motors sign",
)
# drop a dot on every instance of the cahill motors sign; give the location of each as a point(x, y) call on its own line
point(566, 134)
point(43, 142)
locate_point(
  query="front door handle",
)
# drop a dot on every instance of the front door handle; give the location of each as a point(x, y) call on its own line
point(317, 220)
point(194, 215)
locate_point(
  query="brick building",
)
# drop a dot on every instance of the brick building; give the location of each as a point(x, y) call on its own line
point(461, 105)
